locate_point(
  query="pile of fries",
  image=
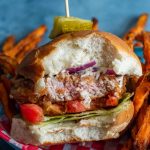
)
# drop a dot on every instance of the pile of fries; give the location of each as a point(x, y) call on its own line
point(140, 130)
point(12, 54)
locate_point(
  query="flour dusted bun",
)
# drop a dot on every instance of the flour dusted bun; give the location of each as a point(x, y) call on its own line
point(92, 129)
point(78, 48)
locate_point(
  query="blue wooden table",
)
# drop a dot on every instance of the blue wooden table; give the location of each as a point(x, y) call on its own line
point(19, 17)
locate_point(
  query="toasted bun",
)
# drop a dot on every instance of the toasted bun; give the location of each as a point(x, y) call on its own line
point(91, 129)
point(78, 48)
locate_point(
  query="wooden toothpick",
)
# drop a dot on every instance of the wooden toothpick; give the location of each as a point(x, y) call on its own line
point(67, 8)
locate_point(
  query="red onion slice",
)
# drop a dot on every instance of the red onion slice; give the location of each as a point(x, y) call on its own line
point(82, 67)
point(110, 72)
point(95, 69)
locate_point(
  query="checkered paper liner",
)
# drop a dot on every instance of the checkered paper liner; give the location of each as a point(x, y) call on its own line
point(99, 145)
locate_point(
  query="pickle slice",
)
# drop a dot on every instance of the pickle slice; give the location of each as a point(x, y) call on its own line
point(69, 24)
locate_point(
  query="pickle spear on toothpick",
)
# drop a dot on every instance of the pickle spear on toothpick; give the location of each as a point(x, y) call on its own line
point(65, 24)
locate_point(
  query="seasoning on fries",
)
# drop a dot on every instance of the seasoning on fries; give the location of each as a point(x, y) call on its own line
point(136, 30)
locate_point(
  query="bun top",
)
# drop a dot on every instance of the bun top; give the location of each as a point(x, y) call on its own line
point(78, 48)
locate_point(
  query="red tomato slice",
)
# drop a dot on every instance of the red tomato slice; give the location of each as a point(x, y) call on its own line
point(75, 106)
point(32, 113)
point(111, 101)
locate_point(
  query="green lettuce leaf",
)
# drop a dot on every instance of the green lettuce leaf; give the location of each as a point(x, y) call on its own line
point(83, 115)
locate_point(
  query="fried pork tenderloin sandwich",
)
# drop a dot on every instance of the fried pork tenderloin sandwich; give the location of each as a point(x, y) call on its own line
point(75, 89)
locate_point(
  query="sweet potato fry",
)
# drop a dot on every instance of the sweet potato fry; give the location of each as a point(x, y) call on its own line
point(136, 30)
point(6, 67)
point(141, 93)
point(95, 23)
point(5, 101)
point(9, 60)
point(33, 35)
point(26, 49)
point(143, 135)
point(7, 64)
point(139, 119)
point(143, 67)
point(146, 40)
point(139, 37)
point(6, 82)
point(8, 44)
point(128, 145)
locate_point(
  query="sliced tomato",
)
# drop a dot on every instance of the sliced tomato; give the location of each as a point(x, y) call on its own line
point(32, 113)
point(74, 107)
point(111, 101)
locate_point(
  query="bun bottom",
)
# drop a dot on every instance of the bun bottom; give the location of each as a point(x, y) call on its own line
point(90, 129)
